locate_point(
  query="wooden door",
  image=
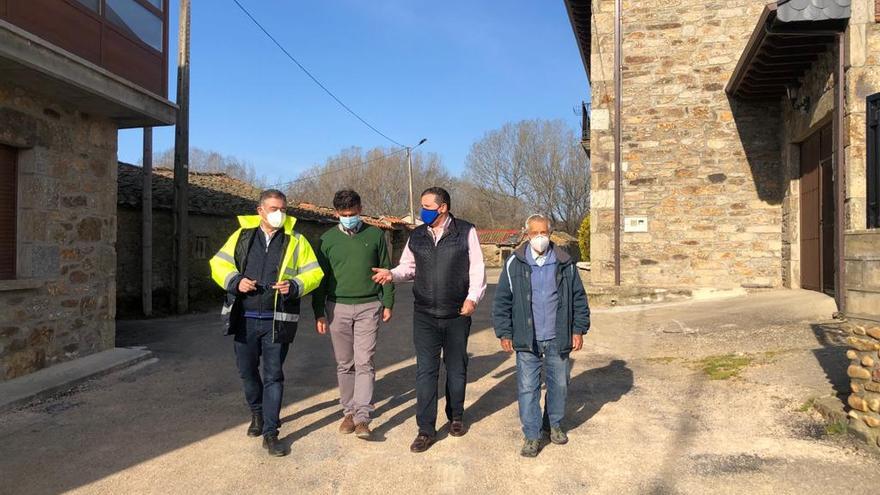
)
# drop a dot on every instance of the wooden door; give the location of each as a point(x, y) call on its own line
point(8, 199)
point(817, 211)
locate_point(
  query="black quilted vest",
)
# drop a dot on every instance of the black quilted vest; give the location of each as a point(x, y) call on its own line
point(442, 278)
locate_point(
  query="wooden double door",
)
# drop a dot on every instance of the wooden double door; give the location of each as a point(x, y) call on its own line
point(818, 259)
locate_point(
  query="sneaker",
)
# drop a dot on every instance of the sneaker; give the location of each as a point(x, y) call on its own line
point(362, 430)
point(530, 448)
point(347, 425)
point(557, 436)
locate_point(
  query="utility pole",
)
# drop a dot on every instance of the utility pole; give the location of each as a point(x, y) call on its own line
point(412, 211)
point(147, 225)
point(181, 164)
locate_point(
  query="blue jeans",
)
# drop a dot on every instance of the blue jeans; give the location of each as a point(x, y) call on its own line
point(528, 368)
point(263, 394)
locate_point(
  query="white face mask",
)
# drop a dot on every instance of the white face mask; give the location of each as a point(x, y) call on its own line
point(540, 243)
point(276, 219)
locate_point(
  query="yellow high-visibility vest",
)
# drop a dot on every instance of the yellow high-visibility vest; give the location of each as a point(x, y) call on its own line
point(299, 264)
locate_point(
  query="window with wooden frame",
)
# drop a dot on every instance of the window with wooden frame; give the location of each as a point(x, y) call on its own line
point(8, 211)
point(872, 173)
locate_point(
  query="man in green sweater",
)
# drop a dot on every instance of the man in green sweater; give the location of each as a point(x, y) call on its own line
point(349, 304)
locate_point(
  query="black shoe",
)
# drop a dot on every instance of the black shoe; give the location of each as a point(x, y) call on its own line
point(274, 446)
point(421, 443)
point(256, 427)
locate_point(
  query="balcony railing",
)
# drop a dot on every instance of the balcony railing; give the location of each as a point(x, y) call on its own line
point(585, 127)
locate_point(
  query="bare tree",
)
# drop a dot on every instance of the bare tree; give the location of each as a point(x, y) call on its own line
point(212, 161)
point(378, 175)
point(531, 165)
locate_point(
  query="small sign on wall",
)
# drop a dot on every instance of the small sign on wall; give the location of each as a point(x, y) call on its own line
point(635, 224)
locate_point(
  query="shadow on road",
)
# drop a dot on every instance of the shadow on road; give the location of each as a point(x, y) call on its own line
point(588, 392)
point(832, 356)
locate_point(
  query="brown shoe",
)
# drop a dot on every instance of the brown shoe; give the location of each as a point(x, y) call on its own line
point(347, 425)
point(362, 430)
point(421, 443)
point(456, 428)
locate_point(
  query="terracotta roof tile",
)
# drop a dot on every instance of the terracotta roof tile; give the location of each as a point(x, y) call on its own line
point(214, 193)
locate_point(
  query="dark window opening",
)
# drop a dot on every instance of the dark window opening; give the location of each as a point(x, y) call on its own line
point(8, 211)
point(873, 161)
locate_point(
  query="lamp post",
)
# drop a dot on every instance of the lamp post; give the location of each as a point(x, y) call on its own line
point(412, 212)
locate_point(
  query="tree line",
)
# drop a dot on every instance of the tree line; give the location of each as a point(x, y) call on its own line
point(518, 169)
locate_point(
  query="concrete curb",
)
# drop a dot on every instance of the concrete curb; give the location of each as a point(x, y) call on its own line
point(61, 377)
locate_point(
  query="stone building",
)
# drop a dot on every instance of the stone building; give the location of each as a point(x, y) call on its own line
point(498, 244)
point(215, 200)
point(71, 75)
point(742, 143)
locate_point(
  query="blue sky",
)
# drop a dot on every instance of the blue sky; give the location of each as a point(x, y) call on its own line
point(447, 70)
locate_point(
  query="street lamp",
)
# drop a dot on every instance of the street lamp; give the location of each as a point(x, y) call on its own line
point(412, 212)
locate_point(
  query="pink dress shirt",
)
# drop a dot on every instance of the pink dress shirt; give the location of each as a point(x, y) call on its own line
point(406, 269)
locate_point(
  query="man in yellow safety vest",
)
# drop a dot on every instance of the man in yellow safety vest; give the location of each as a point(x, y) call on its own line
point(265, 268)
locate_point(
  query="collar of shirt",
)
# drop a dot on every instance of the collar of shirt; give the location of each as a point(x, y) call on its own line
point(351, 232)
point(540, 259)
point(440, 230)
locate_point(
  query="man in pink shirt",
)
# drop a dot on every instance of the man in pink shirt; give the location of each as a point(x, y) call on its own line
point(444, 260)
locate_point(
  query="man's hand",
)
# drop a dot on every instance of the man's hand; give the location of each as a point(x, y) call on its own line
point(282, 287)
point(382, 276)
point(247, 285)
point(507, 345)
point(386, 315)
point(468, 308)
point(577, 342)
point(321, 325)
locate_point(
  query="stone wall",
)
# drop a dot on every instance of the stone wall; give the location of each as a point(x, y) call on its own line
point(817, 85)
point(207, 235)
point(863, 79)
point(62, 305)
point(864, 372)
point(706, 171)
point(863, 275)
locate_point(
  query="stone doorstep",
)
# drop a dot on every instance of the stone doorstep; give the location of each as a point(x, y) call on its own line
point(604, 296)
point(64, 376)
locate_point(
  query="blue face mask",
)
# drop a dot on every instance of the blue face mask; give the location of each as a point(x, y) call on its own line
point(350, 223)
point(429, 216)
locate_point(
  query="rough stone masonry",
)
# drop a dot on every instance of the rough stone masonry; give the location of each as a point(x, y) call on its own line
point(864, 373)
point(705, 170)
point(62, 304)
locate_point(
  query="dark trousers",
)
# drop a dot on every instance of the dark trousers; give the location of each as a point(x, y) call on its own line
point(263, 393)
point(431, 336)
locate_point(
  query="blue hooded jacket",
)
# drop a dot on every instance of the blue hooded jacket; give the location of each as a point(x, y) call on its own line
point(512, 309)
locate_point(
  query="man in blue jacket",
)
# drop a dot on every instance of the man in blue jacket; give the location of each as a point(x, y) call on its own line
point(541, 312)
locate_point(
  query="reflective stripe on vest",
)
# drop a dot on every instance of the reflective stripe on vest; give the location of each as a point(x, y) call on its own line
point(288, 317)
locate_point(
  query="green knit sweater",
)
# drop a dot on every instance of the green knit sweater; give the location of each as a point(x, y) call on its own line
point(348, 262)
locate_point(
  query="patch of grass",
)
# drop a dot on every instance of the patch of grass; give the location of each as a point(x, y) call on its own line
point(806, 406)
point(724, 367)
point(836, 428)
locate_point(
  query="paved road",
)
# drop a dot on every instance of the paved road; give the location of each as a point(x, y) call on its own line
point(643, 416)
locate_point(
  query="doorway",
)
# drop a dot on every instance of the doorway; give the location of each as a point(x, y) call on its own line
point(817, 212)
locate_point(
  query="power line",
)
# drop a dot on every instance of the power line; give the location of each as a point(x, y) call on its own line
point(360, 164)
point(313, 78)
